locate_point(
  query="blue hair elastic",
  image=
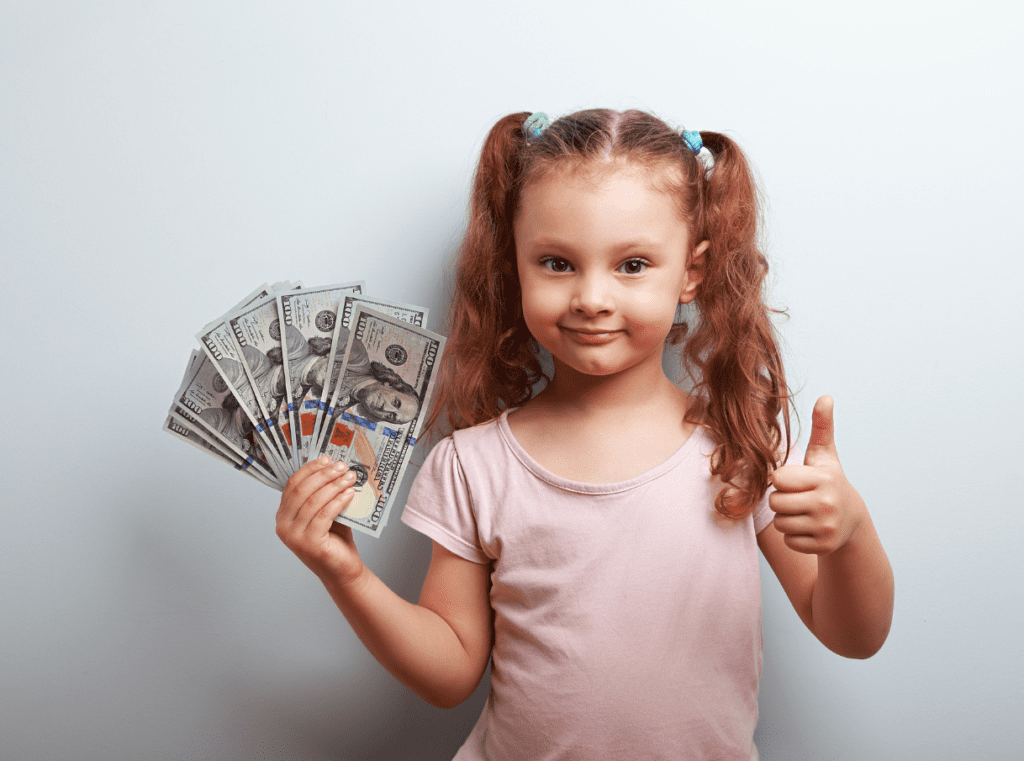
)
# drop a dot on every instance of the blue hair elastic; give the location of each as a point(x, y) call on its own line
point(535, 125)
point(692, 139)
point(694, 142)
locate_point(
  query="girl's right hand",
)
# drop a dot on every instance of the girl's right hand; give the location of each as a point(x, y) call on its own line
point(315, 494)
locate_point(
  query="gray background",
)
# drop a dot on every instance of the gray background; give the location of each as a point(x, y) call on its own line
point(159, 160)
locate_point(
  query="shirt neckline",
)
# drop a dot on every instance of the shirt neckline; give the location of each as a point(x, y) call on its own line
point(582, 487)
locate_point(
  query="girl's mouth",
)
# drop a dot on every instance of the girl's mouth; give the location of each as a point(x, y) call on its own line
point(590, 337)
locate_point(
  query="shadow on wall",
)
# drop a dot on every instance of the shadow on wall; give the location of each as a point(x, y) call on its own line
point(325, 718)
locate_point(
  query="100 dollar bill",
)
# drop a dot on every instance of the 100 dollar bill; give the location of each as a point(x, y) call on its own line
point(308, 318)
point(377, 409)
point(204, 398)
point(410, 313)
point(222, 350)
point(256, 331)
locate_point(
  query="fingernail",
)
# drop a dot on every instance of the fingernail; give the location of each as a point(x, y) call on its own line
point(340, 466)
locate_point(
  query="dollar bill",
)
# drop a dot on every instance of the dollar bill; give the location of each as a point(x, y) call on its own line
point(256, 331)
point(222, 349)
point(217, 342)
point(410, 313)
point(308, 319)
point(377, 409)
point(208, 401)
point(186, 428)
point(180, 429)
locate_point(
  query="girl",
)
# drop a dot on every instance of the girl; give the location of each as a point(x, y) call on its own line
point(598, 539)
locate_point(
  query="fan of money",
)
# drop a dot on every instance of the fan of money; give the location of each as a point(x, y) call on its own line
point(291, 373)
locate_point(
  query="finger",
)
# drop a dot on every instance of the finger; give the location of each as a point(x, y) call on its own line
point(311, 467)
point(305, 527)
point(322, 520)
point(320, 509)
point(794, 525)
point(795, 478)
point(808, 545)
point(300, 476)
point(823, 442)
point(305, 483)
point(792, 503)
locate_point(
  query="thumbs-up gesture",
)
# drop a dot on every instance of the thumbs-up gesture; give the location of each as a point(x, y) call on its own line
point(816, 509)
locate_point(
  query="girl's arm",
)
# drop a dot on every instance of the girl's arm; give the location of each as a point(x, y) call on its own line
point(438, 648)
point(824, 549)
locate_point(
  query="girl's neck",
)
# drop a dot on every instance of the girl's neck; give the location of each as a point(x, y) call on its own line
point(573, 393)
point(603, 429)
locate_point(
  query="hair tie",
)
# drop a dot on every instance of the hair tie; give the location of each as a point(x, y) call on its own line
point(535, 125)
point(694, 142)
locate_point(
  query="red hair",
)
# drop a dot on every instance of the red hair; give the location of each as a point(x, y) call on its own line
point(491, 361)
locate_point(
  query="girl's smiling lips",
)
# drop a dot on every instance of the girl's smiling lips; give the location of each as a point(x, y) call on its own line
point(590, 336)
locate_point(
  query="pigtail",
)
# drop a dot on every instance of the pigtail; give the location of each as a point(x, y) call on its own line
point(490, 360)
point(740, 382)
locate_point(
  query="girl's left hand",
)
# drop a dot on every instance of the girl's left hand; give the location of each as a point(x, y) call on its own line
point(816, 509)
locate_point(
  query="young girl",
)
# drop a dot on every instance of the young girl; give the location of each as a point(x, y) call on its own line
point(598, 539)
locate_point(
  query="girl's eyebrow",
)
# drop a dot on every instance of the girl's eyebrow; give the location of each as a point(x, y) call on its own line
point(562, 245)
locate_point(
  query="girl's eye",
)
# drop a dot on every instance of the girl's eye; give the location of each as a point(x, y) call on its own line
point(634, 266)
point(556, 264)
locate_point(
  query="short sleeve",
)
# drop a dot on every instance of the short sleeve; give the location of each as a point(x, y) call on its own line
point(440, 504)
point(763, 513)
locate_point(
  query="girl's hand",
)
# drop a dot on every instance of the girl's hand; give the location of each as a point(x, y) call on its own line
point(816, 509)
point(315, 494)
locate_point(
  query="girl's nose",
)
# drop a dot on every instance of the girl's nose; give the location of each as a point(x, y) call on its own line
point(591, 297)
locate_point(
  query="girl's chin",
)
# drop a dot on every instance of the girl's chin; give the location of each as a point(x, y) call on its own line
point(605, 369)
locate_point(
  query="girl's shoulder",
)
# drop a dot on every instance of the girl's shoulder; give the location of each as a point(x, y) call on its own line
point(486, 434)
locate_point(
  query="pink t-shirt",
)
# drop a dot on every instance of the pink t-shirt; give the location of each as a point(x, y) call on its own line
point(627, 615)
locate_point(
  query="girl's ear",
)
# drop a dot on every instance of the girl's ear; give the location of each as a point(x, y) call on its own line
point(694, 273)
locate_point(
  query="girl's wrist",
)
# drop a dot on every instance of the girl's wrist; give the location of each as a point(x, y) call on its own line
point(345, 583)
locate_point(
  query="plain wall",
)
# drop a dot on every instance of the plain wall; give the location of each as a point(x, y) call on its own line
point(159, 160)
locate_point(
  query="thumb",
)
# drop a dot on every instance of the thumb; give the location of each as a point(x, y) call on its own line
point(823, 441)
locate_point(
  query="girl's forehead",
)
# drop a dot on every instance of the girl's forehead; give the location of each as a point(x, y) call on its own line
point(561, 184)
point(601, 209)
point(661, 177)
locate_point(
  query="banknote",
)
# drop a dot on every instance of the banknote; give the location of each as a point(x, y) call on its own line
point(410, 313)
point(256, 331)
point(220, 345)
point(188, 429)
point(377, 409)
point(210, 403)
point(179, 428)
point(308, 319)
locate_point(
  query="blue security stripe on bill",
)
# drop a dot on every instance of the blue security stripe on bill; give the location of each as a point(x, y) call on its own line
point(360, 421)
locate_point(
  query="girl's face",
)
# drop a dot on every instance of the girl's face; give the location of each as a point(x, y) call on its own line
point(603, 260)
